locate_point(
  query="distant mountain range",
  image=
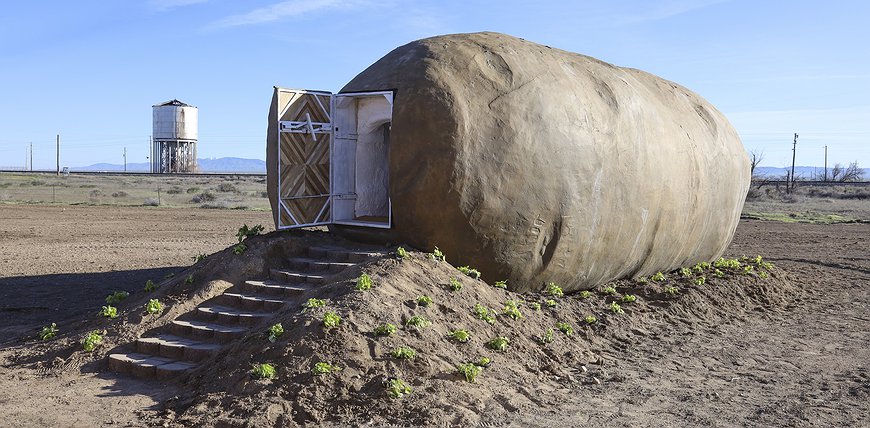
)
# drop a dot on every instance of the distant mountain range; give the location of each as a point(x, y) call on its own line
point(801, 172)
point(205, 165)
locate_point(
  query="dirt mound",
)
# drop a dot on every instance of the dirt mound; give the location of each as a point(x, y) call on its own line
point(539, 357)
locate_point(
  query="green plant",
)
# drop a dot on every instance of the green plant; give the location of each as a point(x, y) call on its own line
point(547, 337)
point(642, 280)
point(658, 277)
point(239, 249)
point(401, 253)
point(404, 353)
point(483, 362)
point(331, 320)
point(245, 232)
point(585, 294)
point(766, 265)
point(748, 269)
point(473, 273)
point(671, 290)
point(385, 329)
point(724, 263)
point(154, 307)
point(199, 257)
point(500, 284)
point(150, 286)
point(397, 388)
point(629, 298)
point(469, 371)
point(169, 275)
point(757, 260)
point(512, 310)
point(590, 319)
point(615, 308)
point(483, 313)
point(565, 328)
point(274, 331)
point(550, 303)
point(535, 306)
point(109, 312)
point(92, 340)
point(554, 290)
point(418, 321)
point(609, 289)
point(313, 303)
point(701, 267)
point(718, 273)
point(116, 297)
point(424, 300)
point(499, 343)
point(48, 332)
point(685, 272)
point(364, 282)
point(263, 371)
point(455, 285)
point(701, 280)
point(189, 279)
point(436, 254)
point(763, 275)
point(460, 335)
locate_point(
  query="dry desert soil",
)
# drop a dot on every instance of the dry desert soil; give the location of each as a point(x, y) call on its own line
point(797, 359)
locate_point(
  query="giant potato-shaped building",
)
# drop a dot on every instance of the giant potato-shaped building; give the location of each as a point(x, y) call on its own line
point(534, 164)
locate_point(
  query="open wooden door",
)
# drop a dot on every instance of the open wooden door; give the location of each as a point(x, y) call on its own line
point(304, 157)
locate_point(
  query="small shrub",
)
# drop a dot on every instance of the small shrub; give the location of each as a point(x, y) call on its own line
point(609, 290)
point(364, 282)
point(615, 308)
point(116, 297)
point(192, 190)
point(150, 286)
point(436, 254)
point(424, 300)
point(263, 371)
point(120, 194)
point(331, 320)
point(460, 335)
point(397, 388)
point(226, 187)
point(203, 197)
point(512, 310)
point(590, 319)
point(500, 284)
point(154, 307)
point(469, 371)
point(585, 294)
point(109, 312)
point(404, 353)
point(174, 190)
point(385, 329)
point(246, 231)
point(629, 298)
point(321, 368)
point(199, 257)
point(550, 303)
point(418, 321)
point(455, 285)
point(481, 312)
point(92, 340)
point(658, 277)
point(547, 337)
point(470, 272)
point(313, 303)
point(554, 290)
point(565, 328)
point(401, 253)
point(499, 343)
point(274, 332)
point(535, 306)
point(48, 332)
point(239, 249)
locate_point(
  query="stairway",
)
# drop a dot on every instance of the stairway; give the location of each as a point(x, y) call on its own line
point(202, 332)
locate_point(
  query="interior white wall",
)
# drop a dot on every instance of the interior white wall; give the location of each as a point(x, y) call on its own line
point(344, 157)
point(372, 156)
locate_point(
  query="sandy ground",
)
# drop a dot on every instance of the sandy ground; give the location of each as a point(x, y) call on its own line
point(805, 366)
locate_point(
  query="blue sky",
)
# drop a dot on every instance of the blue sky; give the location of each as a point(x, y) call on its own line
point(90, 70)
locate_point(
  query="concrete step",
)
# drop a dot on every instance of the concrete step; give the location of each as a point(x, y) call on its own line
point(226, 315)
point(175, 347)
point(251, 302)
point(298, 277)
point(344, 254)
point(148, 366)
point(275, 288)
point(318, 265)
point(201, 330)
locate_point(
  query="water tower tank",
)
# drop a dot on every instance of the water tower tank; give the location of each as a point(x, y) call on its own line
point(175, 134)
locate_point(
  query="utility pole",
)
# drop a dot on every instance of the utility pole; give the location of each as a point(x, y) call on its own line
point(125, 159)
point(826, 162)
point(31, 156)
point(58, 154)
point(793, 155)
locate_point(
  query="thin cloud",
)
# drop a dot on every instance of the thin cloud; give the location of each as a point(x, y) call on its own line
point(282, 11)
point(161, 5)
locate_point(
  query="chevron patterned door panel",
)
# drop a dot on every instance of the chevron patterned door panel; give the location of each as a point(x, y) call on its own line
point(305, 137)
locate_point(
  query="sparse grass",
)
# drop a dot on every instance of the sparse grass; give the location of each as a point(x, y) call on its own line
point(615, 308)
point(397, 388)
point(565, 328)
point(331, 320)
point(499, 343)
point(92, 340)
point(554, 290)
point(500, 284)
point(263, 371)
point(48, 332)
point(470, 272)
point(385, 329)
point(109, 312)
point(460, 335)
point(404, 353)
point(469, 371)
point(116, 297)
point(274, 332)
point(512, 310)
point(800, 217)
point(424, 301)
point(481, 312)
point(418, 322)
point(154, 307)
point(364, 282)
point(437, 255)
point(455, 285)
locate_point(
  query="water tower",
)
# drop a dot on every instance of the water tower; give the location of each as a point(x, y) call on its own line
point(175, 135)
